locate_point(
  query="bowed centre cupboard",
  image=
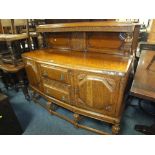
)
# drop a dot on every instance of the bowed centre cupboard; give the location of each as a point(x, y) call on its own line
point(83, 67)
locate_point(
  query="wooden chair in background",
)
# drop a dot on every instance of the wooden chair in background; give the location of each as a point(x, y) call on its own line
point(33, 34)
point(7, 26)
point(27, 27)
point(16, 41)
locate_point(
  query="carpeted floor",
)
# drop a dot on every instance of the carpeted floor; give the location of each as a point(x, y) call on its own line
point(37, 121)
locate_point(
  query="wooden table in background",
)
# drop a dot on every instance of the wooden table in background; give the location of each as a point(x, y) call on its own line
point(143, 86)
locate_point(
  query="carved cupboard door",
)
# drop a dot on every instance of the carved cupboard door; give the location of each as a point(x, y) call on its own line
point(98, 93)
point(32, 70)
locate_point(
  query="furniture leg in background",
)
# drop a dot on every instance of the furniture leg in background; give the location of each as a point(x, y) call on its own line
point(15, 77)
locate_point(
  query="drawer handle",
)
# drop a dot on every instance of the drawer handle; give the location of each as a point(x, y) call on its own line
point(108, 107)
point(45, 74)
point(63, 98)
point(62, 77)
point(81, 76)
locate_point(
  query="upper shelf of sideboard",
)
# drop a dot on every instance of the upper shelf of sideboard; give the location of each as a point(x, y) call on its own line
point(87, 27)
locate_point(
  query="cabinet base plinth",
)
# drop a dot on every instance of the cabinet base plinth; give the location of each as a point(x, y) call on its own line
point(52, 107)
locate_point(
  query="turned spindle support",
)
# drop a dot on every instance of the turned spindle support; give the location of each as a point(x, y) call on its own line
point(115, 128)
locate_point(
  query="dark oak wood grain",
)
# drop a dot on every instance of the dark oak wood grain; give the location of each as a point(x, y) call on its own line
point(79, 60)
point(143, 84)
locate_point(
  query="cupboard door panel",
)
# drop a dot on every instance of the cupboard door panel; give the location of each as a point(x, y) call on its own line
point(97, 92)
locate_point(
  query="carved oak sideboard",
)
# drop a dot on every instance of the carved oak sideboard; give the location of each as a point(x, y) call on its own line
point(83, 67)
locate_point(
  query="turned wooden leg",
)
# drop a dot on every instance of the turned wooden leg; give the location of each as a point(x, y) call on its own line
point(77, 118)
point(25, 90)
point(23, 86)
point(53, 107)
point(35, 42)
point(12, 52)
point(48, 106)
point(40, 41)
point(115, 128)
point(33, 94)
point(4, 78)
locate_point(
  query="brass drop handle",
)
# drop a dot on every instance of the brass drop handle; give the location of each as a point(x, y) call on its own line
point(108, 107)
point(63, 98)
point(81, 77)
point(62, 77)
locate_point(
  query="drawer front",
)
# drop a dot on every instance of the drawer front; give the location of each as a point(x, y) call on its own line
point(57, 90)
point(55, 73)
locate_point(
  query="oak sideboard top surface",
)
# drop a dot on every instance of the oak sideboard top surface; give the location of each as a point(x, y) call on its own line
point(75, 59)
